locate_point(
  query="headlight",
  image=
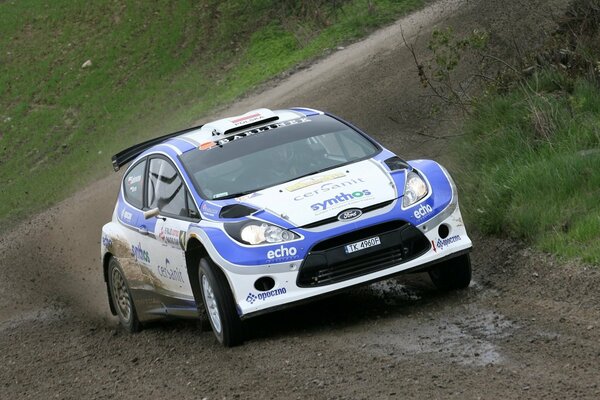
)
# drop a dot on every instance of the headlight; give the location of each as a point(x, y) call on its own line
point(414, 190)
point(257, 233)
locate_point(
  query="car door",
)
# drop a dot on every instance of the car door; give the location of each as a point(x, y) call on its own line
point(167, 192)
point(136, 258)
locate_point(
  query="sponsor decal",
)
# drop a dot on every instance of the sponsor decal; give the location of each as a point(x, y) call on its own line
point(139, 254)
point(171, 236)
point(207, 145)
point(209, 210)
point(133, 183)
point(423, 211)
point(326, 187)
point(314, 181)
point(282, 252)
point(340, 198)
point(441, 243)
point(172, 273)
point(262, 296)
point(132, 180)
point(350, 214)
point(252, 132)
point(106, 241)
point(246, 119)
point(248, 196)
point(126, 215)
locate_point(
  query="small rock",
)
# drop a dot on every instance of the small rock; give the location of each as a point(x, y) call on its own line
point(589, 152)
point(590, 327)
point(86, 64)
point(535, 275)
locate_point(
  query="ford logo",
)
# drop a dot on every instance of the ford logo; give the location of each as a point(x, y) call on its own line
point(350, 214)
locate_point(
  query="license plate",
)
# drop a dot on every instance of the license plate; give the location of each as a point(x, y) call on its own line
point(364, 244)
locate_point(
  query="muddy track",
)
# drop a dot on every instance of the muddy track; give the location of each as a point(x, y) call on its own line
point(526, 328)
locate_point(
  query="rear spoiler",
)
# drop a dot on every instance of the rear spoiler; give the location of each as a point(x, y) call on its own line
point(125, 156)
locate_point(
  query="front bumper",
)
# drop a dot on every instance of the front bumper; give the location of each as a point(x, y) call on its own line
point(290, 287)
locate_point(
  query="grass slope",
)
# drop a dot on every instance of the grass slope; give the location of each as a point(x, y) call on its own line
point(156, 67)
point(532, 165)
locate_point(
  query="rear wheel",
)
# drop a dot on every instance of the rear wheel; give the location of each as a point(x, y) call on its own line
point(452, 274)
point(121, 297)
point(219, 304)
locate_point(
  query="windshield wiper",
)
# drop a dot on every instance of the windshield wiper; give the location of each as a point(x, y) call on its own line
point(318, 171)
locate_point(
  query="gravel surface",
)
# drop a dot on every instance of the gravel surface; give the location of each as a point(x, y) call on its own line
point(527, 327)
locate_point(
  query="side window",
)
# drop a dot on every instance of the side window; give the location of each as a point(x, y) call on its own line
point(166, 189)
point(133, 185)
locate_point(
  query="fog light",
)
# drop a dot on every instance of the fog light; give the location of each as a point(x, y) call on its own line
point(263, 284)
point(443, 231)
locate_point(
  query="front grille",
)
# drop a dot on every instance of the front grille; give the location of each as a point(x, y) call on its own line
point(335, 219)
point(327, 261)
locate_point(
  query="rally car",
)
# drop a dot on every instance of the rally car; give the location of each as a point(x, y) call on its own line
point(257, 212)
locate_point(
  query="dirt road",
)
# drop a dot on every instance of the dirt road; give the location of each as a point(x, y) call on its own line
point(526, 328)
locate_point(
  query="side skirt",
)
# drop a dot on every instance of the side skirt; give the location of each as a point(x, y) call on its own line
point(151, 306)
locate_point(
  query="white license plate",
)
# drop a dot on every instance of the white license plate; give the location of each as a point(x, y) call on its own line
point(365, 244)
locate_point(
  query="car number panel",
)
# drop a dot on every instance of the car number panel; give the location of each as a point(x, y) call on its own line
point(362, 245)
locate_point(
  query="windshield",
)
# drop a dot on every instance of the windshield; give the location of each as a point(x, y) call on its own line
point(261, 159)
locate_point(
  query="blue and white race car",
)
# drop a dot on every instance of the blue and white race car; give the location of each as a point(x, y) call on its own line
point(261, 211)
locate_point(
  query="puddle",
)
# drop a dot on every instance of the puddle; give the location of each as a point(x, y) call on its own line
point(467, 339)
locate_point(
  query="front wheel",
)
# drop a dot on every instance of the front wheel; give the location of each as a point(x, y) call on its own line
point(121, 297)
point(219, 304)
point(452, 274)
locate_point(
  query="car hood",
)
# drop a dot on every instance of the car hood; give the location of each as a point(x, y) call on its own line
point(326, 194)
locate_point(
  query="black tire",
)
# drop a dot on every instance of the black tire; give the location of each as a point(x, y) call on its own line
point(452, 274)
point(121, 297)
point(219, 304)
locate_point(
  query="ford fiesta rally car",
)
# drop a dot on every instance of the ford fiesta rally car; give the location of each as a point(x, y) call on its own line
point(253, 213)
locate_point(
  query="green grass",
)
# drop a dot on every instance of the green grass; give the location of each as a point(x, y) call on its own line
point(157, 67)
point(532, 165)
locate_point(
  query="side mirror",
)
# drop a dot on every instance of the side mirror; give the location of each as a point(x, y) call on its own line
point(194, 214)
point(151, 213)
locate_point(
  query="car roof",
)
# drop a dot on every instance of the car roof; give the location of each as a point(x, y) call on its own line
point(176, 143)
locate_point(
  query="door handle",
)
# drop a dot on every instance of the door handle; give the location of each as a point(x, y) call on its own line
point(142, 229)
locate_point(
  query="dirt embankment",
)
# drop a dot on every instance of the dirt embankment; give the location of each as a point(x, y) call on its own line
point(526, 328)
